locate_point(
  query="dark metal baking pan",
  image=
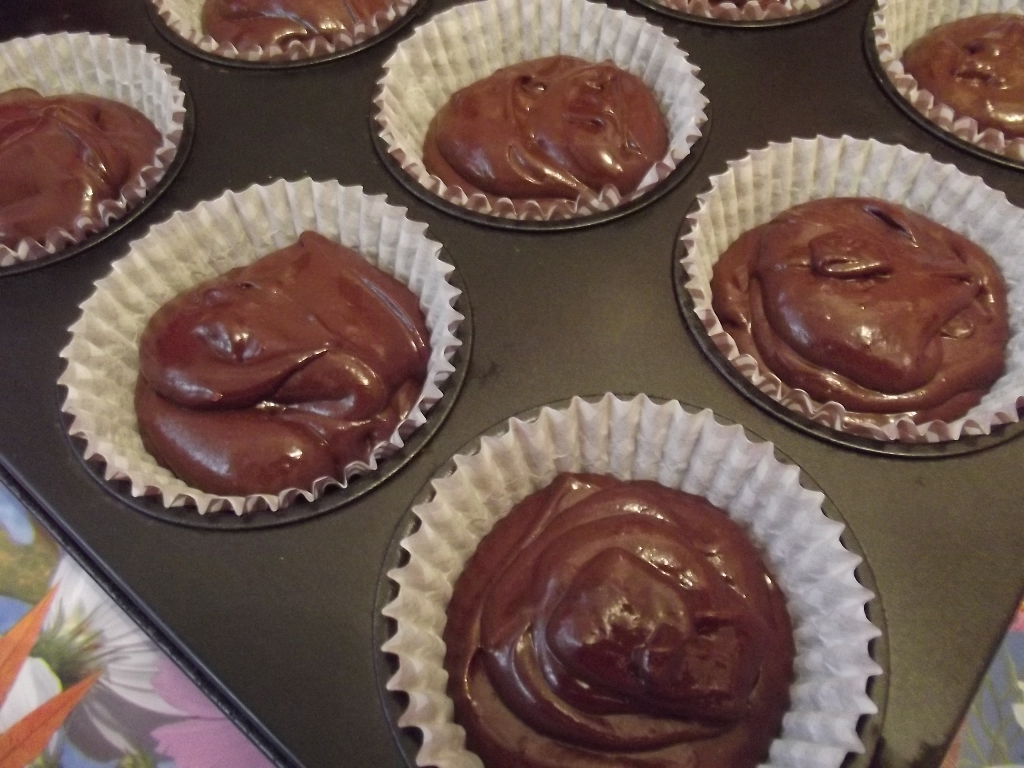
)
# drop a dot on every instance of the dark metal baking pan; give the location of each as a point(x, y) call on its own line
point(281, 619)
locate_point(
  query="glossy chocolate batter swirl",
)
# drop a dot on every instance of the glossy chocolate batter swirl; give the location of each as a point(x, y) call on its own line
point(263, 23)
point(606, 623)
point(558, 127)
point(868, 304)
point(62, 156)
point(276, 374)
point(976, 66)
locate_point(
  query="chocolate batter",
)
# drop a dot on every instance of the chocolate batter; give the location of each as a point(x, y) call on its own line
point(976, 66)
point(558, 127)
point(606, 623)
point(276, 374)
point(868, 304)
point(62, 156)
point(263, 23)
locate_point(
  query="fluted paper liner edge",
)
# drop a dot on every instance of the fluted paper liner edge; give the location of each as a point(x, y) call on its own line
point(748, 11)
point(898, 23)
point(768, 181)
point(212, 238)
point(632, 440)
point(469, 42)
point(184, 19)
point(98, 65)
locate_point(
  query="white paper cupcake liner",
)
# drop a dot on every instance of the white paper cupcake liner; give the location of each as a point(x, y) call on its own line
point(633, 440)
point(184, 18)
point(469, 42)
point(898, 23)
point(98, 65)
point(749, 11)
point(234, 230)
point(768, 181)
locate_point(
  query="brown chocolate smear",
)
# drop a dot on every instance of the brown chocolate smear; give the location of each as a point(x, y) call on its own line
point(557, 127)
point(611, 623)
point(264, 23)
point(62, 156)
point(276, 374)
point(868, 304)
point(976, 66)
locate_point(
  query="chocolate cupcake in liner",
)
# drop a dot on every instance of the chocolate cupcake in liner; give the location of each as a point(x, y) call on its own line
point(469, 42)
point(639, 439)
point(752, 10)
point(898, 23)
point(98, 65)
point(768, 181)
point(216, 236)
point(184, 19)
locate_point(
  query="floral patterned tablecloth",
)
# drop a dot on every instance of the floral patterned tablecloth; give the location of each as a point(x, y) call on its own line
point(992, 733)
point(81, 685)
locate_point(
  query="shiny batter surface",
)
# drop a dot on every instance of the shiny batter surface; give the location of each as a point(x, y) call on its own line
point(276, 374)
point(609, 623)
point(976, 66)
point(61, 156)
point(263, 23)
point(557, 127)
point(868, 304)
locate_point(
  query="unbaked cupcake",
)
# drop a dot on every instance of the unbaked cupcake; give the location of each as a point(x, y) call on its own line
point(295, 31)
point(642, 440)
point(468, 43)
point(110, 68)
point(761, 186)
point(192, 247)
point(898, 24)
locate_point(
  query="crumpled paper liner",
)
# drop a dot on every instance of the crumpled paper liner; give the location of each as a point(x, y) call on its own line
point(768, 181)
point(184, 18)
point(640, 439)
point(98, 65)
point(216, 236)
point(469, 42)
point(749, 11)
point(898, 23)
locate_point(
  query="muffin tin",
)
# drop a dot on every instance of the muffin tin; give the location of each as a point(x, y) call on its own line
point(281, 620)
